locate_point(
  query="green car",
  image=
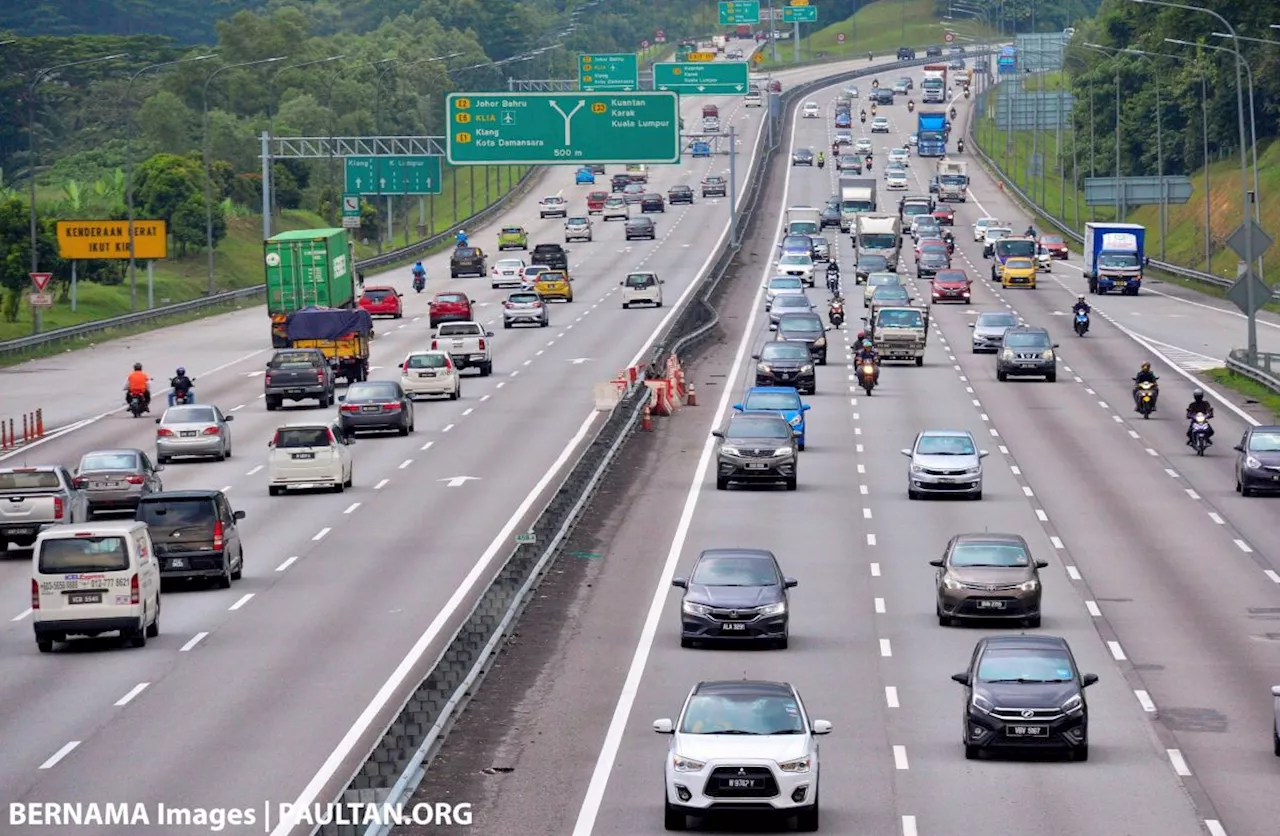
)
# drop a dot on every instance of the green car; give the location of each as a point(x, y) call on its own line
point(513, 238)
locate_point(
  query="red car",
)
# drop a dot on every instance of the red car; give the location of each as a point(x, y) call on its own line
point(951, 286)
point(775, 86)
point(945, 216)
point(1056, 245)
point(382, 301)
point(923, 242)
point(595, 202)
point(450, 307)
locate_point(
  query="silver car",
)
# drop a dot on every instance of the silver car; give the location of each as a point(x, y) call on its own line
point(788, 303)
point(899, 155)
point(863, 146)
point(525, 307)
point(198, 430)
point(577, 229)
point(944, 462)
point(989, 328)
point(821, 248)
point(116, 480)
point(781, 284)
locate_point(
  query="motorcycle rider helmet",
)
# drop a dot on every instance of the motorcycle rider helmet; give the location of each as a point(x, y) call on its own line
point(1197, 394)
point(1146, 367)
point(137, 367)
point(866, 344)
point(417, 265)
point(181, 371)
point(862, 335)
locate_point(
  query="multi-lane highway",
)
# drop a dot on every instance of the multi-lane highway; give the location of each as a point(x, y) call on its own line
point(1163, 580)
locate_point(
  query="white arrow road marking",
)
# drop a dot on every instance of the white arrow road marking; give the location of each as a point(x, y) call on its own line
point(578, 361)
point(458, 481)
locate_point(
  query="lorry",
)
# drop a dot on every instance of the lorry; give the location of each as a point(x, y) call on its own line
point(307, 268)
point(1114, 257)
point(342, 336)
point(719, 42)
point(953, 180)
point(931, 134)
point(857, 195)
point(35, 498)
point(804, 220)
point(743, 31)
point(879, 235)
point(900, 332)
point(934, 86)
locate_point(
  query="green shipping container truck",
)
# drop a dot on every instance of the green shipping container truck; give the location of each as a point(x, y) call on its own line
point(307, 268)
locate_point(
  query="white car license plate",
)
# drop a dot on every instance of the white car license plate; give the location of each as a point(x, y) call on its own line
point(757, 466)
point(991, 605)
point(733, 627)
point(178, 563)
point(457, 343)
point(1027, 731)
point(477, 356)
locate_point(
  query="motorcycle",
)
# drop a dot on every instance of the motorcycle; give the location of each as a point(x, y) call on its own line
point(1200, 433)
point(864, 118)
point(1147, 396)
point(953, 114)
point(183, 398)
point(966, 92)
point(911, 106)
point(136, 404)
point(867, 377)
point(419, 282)
point(822, 162)
point(868, 162)
point(1082, 323)
point(959, 146)
point(835, 312)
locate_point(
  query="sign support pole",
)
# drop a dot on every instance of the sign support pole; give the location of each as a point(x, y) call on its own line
point(795, 36)
point(267, 185)
point(733, 186)
point(73, 286)
point(773, 33)
point(151, 285)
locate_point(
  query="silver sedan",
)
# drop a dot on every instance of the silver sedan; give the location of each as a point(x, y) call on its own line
point(988, 330)
point(198, 431)
point(116, 480)
point(788, 303)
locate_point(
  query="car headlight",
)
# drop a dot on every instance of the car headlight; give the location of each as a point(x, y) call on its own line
point(773, 609)
point(806, 368)
point(782, 451)
point(982, 704)
point(915, 468)
point(730, 451)
point(1007, 354)
point(1252, 463)
point(765, 367)
point(795, 422)
point(1074, 705)
point(1029, 586)
point(1048, 355)
point(695, 609)
point(951, 583)
point(820, 342)
point(682, 764)
point(799, 765)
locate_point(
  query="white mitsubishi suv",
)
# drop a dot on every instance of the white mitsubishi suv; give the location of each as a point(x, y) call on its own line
point(742, 746)
point(553, 206)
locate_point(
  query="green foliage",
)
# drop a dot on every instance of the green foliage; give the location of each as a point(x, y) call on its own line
point(165, 182)
point(15, 251)
point(188, 224)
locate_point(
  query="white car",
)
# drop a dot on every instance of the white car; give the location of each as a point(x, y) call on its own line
point(1044, 261)
point(309, 454)
point(843, 137)
point(811, 110)
point(851, 91)
point(863, 146)
point(880, 125)
point(980, 227)
point(553, 206)
point(779, 285)
point(641, 287)
point(796, 264)
point(742, 742)
point(899, 155)
point(895, 178)
point(507, 272)
point(711, 125)
point(913, 139)
point(530, 275)
point(754, 99)
point(426, 373)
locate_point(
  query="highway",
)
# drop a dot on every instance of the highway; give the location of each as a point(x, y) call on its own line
point(1165, 583)
point(256, 693)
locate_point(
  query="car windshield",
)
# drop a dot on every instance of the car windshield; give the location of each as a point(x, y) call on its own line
point(1051, 239)
point(1022, 665)
point(523, 298)
point(801, 324)
point(177, 512)
point(796, 259)
point(869, 263)
point(913, 209)
point(18, 480)
point(945, 445)
point(734, 571)
point(293, 360)
point(1026, 340)
point(900, 319)
point(464, 252)
point(934, 249)
point(778, 401)
point(109, 461)
point(791, 300)
point(459, 329)
point(69, 555)
point(996, 232)
point(990, 554)
point(639, 280)
point(756, 426)
point(953, 180)
point(577, 222)
point(553, 199)
point(1019, 264)
point(797, 242)
point(997, 320)
point(189, 415)
point(294, 437)
point(784, 351)
point(372, 391)
point(741, 714)
point(877, 240)
point(551, 276)
point(804, 228)
point(1118, 260)
point(785, 283)
point(513, 230)
point(883, 280)
point(1018, 248)
point(510, 264)
point(535, 269)
point(890, 291)
point(452, 298)
point(427, 361)
point(377, 295)
point(1264, 442)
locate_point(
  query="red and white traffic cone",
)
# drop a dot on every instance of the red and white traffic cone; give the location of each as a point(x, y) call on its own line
point(692, 399)
point(646, 420)
point(40, 423)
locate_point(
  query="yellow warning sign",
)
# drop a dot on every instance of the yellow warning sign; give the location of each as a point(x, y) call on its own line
point(83, 240)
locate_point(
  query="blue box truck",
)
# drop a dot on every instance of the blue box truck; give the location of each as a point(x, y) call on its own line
point(931, 134)
point(1114, 257)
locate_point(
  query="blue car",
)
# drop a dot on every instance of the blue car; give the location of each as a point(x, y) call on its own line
point(701, 149)
point(844, 120)
point(780, 400)
point(584, 176)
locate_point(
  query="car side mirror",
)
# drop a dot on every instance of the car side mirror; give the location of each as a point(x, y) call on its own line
point(342, 398)
point(271, 444)
point(1042, 564)
point(682, 583)
point(982, 454)
point(905, 451)
point(938, 562)
point(1088, 679)
point(239, 515)
point(822, 727)
point(717, 433)
point(664, 726)
point(1055, 345)
point(488, 333)
point(962, 678)
point(973, 325)
point(662, 281)
point(622, 284)
point(158, 421)
point(753, 357)
point(790, 583)
point(804, 407)
point(738, 407)
point(159, 468)
point(1239, 448)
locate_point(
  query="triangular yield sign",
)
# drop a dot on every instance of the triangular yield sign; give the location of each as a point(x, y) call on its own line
point(41, 280)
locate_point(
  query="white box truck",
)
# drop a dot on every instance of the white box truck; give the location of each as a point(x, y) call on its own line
point(804, 220)
point(879, 235)
point(857, 196)
point(953, 180)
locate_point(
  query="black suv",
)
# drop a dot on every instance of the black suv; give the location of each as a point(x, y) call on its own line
point(1025, 693)
point(735, 595)
point(679, 194)
point(467, 261)
point(786, 364)
point(1027, 352)
point(906, 53)
point(933, 52)
point(756, 448)
point(619, 182)
point(195, 535)
point(551, 256)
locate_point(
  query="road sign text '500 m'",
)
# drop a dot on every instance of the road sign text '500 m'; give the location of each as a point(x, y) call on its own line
point(563, 128)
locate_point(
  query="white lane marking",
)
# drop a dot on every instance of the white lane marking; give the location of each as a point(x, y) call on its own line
point(382, 483)
point(320, 535)
point(900, 757)
point(500, 384)
point(22, 615)
point(288, 562)
point(426, 446)
point(237, 408)
point(1214, 826)
point(1179, 762)
point(446, 428)
point(484, 398)
point(1116, 651)
point(995, 433)
point(351, 508)
point(1213, 515)
point(1243, 546)
point(1027, 491)
point(862, 489)
point(909, 826)
point(871, 539)
point(875, 570)
point(856, 417)
point(468, 411)
point(1133, 434)
point(526, 363)
point(255, 470)
point(192, 642)
point(405, 464)
point(1117, 419)
point(891, 696)
point(1015, 470)
point(59, 755)
point(862, 468)
point(866, 513)
point(879, 603)
point(225, 488)
point(133, 692)
point(1073, 573)
point(1151, 452)
point(985, 417)
point(1172, 473)
point(977, 403)
point(244, 599)
point(857, 448)
point(1004, 451)
point(857, 430)
point(1144, 700)
point(517, 371)
point(1092, 607)
point(1273, 574)
point(886, 649)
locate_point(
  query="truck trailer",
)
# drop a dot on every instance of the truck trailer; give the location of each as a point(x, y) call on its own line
point(1114, 257)
point(307, 268)
point(857, 196)
point(931, 134)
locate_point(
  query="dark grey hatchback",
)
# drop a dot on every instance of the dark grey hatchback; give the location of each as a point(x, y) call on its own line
point(786, 364)
point(735, 595)
point(1027, 352)
point(1258, 461)
point(804, 328)
point(640, 228)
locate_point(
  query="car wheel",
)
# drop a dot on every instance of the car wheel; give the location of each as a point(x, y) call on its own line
point(351, 478)
point(506, 325)
point(223, 581)
point(782, 643)
point(162, 459)
point(807, 819)
point(673, 818)
point(273, 404)
point(138, 638)
point(273, 490)
point(456, 393)
point(153, 630)
point(912, 493)
point(238, 572)
point(686, 642)
point(324, 401)
point(1081, 753)
point(919, 362)
point(46, 646)
point(486, 369)
point(1245, 490)
point(1051, 378)
point(339, 487)
point(722, 483)
point(971, 753)
point(800, 445)
point(626, 305)
point(1033, 621)
point(792, 482)
point(1238, 485)
point(1001, 376)
point(977, 496)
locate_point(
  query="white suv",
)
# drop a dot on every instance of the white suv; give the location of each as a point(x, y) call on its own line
point(811, 110)
point(742, 742)
point(980, 227)
point(553, 206)
point(425, 373)
point(641, 287)
point(314, 454)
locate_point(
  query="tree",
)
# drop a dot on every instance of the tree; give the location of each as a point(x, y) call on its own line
point(165, 182)
point(188, 224)
point(166, 123)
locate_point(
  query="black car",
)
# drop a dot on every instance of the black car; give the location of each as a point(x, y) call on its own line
point(467, 261)
point(1026, 352)
point(653, 203)
point(931, 260)
point(754, 448)
point(641, 228)
point(786, 364)
point(596, 168)
point(680, 194)
point(619, 182)
point(551, 256)
point(906, 53)
point(375, 405)
point(735, 595)
point(882, 96)
point(805, 328)
point(714, 186)
point(802, 156)
point(933, 52)
point(1025, 693)
point(869, 263)
point(1275, 727)
point(195, 535)
point(830, 217)
point(1258, 461)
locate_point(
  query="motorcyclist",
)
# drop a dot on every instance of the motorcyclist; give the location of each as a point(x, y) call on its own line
point(822, 159)
point(183, 387)
point(1197, 406)
point(1144, 375)
point(419, 276)
point(863, 116)
point(462, 238)
point(1031, 233)
point(868, 162)
point(833, 277)
point(960, 146)
point(911, 105)
point(1081, 306)
point(950, 240)
point(867, 354)
point(835, 310)
point(953, 114)
point(835, 149)
point(139, 383)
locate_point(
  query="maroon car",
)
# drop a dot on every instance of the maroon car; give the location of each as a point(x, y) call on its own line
point(944, 215)
point(450, 307)
point(951, 286)
point(1056, 246)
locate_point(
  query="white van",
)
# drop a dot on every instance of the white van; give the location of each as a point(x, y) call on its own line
point(641, 287)
point(95, 578)
point(754, 99)
point(309, 455)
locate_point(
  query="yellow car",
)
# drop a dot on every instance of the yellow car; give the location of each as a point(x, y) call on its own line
point(1018, 272)
point(554, 284)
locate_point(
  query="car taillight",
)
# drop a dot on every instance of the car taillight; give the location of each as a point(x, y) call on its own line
point(391, 407)
point(213, 431)
point(320, 376)
point(134, 479)
point(347, 407)
point(58, 507)
point(217, 536)
point(435, 344)
point(448, 364)
point(79, 482)
point(267, 378)
point(537, 304)
point(135, 591)
point(481, 344)
point(163, 433)
point(35, 594)
point(405, 367)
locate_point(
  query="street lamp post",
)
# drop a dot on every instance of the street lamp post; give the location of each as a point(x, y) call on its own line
point(1164, 198)
point(269, 209)
point(128, 167)
point(208, 171)
point(41, 75)
point(1119, 189)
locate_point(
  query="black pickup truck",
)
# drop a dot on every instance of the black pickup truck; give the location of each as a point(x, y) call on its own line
point(295, 374)
point(552, 256)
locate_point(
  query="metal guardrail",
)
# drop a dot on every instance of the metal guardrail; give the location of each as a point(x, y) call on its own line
point(1267, 372)
point(231, 297)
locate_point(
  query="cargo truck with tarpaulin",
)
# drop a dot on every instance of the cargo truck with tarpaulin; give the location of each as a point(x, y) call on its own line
point(307, 268)
point(341, 335)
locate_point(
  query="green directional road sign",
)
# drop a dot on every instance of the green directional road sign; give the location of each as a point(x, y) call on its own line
point(734, 12)
point(393, 175)
point(563, 128)
point(699, 78)
point(617, 73)
point(799, 14)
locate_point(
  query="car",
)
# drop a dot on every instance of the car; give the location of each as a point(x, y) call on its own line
point(876, 280)
point(944, 462)
point(944, 215)
point(1027, 352)
point(893, 165)
point(921, 243)
point(1257, 466)
point(714, 186)
point(652, 202)
point(680, 195)
point(116, 479)
point(577, 229)
point(788, 303)
point(925, 225)
point(529, 276)
point(899, 155)
point(988, 576)
point(1025, 693)
point(951, 286)
point(956, 64)
point(902, 87)
point(754, 98)
point(844, 119)
point(525, 307)
point(584, 176)
point(467, 261)
point(194, 534)
point(1018, 272)
point(615, 207)
point(195, 430)
point(882, 96)
point(867, 264)
point(990, 236)
point(1056, 245)
point(931, 260)
point(382, 301)
point(375, 405)
point(1275, 725)
point(989, 328)
point(507, 272)
point(896, 180)
point(863, 146)
point(890, 295)
point(710, 125)
point(802, 156)
point(309, 455)
point(449, 307)
point(811, 110)
point(554, 206)
point(641, 228)
point(786, 364)
point(430, 373)
point(821, 248)
point(980, 227)
point(830, 217)
point(633, 194)
point(851, 90)
point(906, 54)
point(849, 162)
point(595, 203)
point(798, 244)
point(781, 284)
point(736, 595)
point(515, 237)
point(843, 138)
point(554, 284)
point(806, 328)
point(742, 744)
point(699, 149)
point(913, 140)
point(1044, 259)
point(933, 52)
point(796, 264)
point(619, 182)
point(641, 287)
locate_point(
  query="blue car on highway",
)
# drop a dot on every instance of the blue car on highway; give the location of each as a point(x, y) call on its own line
point(584, 176)
point(700, 149)
point(779, 400)
point(844, 120)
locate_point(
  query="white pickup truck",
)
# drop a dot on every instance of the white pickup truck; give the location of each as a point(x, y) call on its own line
point(553, 206)
point(35, 498)
point(468, 344)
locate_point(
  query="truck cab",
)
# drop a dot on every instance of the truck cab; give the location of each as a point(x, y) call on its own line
point(900, 333)
point(1114, 256)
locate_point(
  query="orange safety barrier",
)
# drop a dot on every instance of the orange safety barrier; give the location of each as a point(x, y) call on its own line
point(32, 429)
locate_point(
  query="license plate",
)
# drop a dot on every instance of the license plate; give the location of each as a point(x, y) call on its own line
point(991, 605)
point(178, 563)
point(304, 455)
point(426, 374)
point(742, 783)
point(477, 356)
point(188, 433)
point(106, 484)
point(457, 343)
point(1027, 731)
point(733, 627)
point(293, 391)
point(74, 598)
point(757, 466)
point(18, 532)
point(369, 408)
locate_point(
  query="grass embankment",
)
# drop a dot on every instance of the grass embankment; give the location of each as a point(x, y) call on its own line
point(1253, 391)
point(879, 27)
point(238, 261)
